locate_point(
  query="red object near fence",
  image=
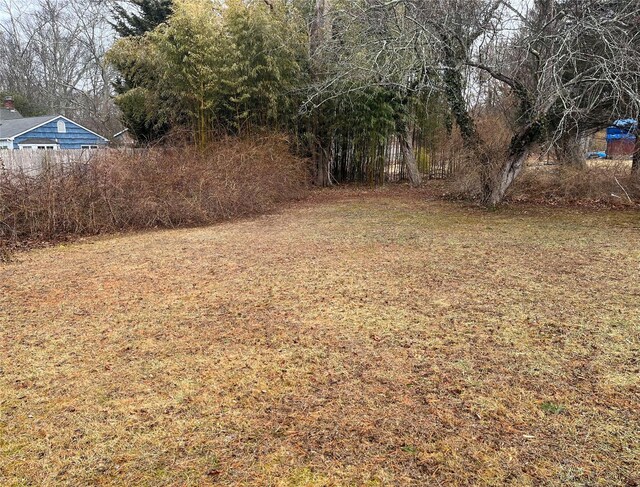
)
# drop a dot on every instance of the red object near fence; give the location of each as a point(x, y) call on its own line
point(620, 148)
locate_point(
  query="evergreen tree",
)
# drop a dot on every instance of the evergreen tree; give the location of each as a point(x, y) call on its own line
point(134, 102)
point(147, 15)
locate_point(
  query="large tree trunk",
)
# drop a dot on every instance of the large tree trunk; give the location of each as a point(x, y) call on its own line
point(415, 178)
point(509, 172)
point(454, 91)
point(519, 151)
point(493, 188)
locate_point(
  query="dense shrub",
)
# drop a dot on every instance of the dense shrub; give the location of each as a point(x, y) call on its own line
point(170, 187)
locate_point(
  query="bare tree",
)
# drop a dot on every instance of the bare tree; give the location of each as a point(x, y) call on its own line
point(53, 51)
point(576, 70)
point(569, 65)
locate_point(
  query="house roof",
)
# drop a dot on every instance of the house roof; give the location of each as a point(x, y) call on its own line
point(9, 114)
point(11, 128)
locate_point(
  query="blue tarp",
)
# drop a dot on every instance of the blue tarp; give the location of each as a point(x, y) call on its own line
point(626, 123)
point(622, 129)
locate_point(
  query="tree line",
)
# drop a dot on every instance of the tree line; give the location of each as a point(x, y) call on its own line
point(352, 75)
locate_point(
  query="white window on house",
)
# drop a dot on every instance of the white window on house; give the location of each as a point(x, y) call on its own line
point(62, 127)
point(88, 146)
point(38, 147)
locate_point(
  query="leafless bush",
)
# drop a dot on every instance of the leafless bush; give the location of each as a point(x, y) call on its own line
point(173, 187)
point(603, 182)
point(599, 182)
point(467, 180)
point(607, 185)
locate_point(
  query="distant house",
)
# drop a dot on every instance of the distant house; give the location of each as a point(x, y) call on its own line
point(123, 139)
point(621, 138)
point(52, 132)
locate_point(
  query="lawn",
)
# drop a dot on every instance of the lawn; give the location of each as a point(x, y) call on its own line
point(356, 339)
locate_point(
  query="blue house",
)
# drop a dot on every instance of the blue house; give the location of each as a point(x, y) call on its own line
point(52, 132)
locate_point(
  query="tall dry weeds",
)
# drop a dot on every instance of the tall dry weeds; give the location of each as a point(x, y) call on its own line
point(603, 182)
point(496, 133)
point(173, 187)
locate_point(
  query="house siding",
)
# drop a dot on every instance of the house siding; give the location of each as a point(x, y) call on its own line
point(74, 137)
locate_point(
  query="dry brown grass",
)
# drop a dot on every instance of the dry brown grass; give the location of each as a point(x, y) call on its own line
point(367, 339)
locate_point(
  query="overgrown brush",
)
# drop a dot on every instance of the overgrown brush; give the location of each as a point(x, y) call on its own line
point(598, 183)
point(605, 182)
point(496, 133)
point(601, 182)
point(173, 187)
